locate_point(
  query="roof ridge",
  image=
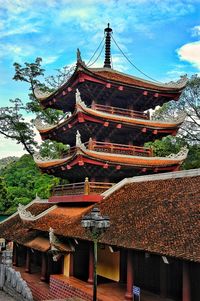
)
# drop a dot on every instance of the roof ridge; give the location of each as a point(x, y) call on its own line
point(181, 82)
point(155, 177)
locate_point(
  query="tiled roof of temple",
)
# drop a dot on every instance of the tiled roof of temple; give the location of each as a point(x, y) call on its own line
point(16, 229)
point(157, 214)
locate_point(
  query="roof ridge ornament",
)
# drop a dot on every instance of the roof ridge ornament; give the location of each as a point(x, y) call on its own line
point(179, 83)
point(79, 58)
point(78, 54)
point(40, 125)
point(37, 157)
point(79, 101)
point(107, 62)
point(39, 94)
point(23, 213)
point(182, 154)
point(79, 143)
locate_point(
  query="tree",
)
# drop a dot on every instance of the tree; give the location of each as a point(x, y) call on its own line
point(189, 103)
point(31, 73)
point(12, 123)
point(52, 149)
point(14, 126)
point(21, 181)
point(3, 195)
point(189, 133)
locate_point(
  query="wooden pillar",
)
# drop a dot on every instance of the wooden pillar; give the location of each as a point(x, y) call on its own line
point(43, 268)
point(91, 264)
point(71, 265)
point(186, 294)
point(86, 186)
point(15, 254)
point(28, 261)
point(129, 285)
point(163, 279)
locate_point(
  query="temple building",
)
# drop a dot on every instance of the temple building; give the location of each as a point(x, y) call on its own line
point(153, 240)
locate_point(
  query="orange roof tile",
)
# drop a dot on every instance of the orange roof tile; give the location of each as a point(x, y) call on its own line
point(160, 216)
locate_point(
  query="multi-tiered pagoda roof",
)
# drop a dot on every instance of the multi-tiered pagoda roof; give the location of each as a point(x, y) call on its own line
point(106, 124)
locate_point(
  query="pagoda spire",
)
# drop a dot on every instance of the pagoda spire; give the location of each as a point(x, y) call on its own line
point(107, 62)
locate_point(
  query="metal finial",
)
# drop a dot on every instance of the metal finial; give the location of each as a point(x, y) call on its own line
point(107, 62)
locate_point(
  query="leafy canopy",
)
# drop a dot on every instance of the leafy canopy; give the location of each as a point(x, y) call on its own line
point(21, 181)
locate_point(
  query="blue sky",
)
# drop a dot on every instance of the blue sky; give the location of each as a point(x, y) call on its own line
point(160, 37)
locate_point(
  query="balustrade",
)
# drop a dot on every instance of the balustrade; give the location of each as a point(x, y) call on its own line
point(84, 188)
point(119, 148)
point(121, 111)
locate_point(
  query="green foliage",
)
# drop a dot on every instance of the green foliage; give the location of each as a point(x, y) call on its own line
point(169, 145)
point(166, 146)
point(31, 73)
point(12, 123)
point(22, 181)
point(3, 194)
point(53, 149)
point(193, 158)
point(14, 126)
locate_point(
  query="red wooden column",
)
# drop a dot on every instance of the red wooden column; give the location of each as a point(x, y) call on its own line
point(186, 295)
point(43, 268)
point(15, 254)
point(129, 285)
point(91, 265)
point(28, 261)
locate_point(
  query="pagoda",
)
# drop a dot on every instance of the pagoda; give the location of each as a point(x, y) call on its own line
point(107, 122)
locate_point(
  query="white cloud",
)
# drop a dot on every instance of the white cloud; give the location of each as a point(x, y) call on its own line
point(196, 31)
point(21, 29)
point(10, 148)
point(49, 59)
point(17, 52)
point(191, 53)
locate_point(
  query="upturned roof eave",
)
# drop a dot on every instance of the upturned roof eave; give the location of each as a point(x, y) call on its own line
point(112, 158)
point(129, 121)
point(80, 67)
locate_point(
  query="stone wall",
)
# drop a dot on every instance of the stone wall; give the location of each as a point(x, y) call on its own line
point(12, 283)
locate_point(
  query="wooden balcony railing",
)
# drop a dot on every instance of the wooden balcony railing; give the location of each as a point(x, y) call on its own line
point(84, 188)
point(120, 111)
point(113, 148)
point(119, 148)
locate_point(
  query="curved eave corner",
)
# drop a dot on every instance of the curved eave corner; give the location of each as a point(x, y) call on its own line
point(125, 160)
point(81, 107)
